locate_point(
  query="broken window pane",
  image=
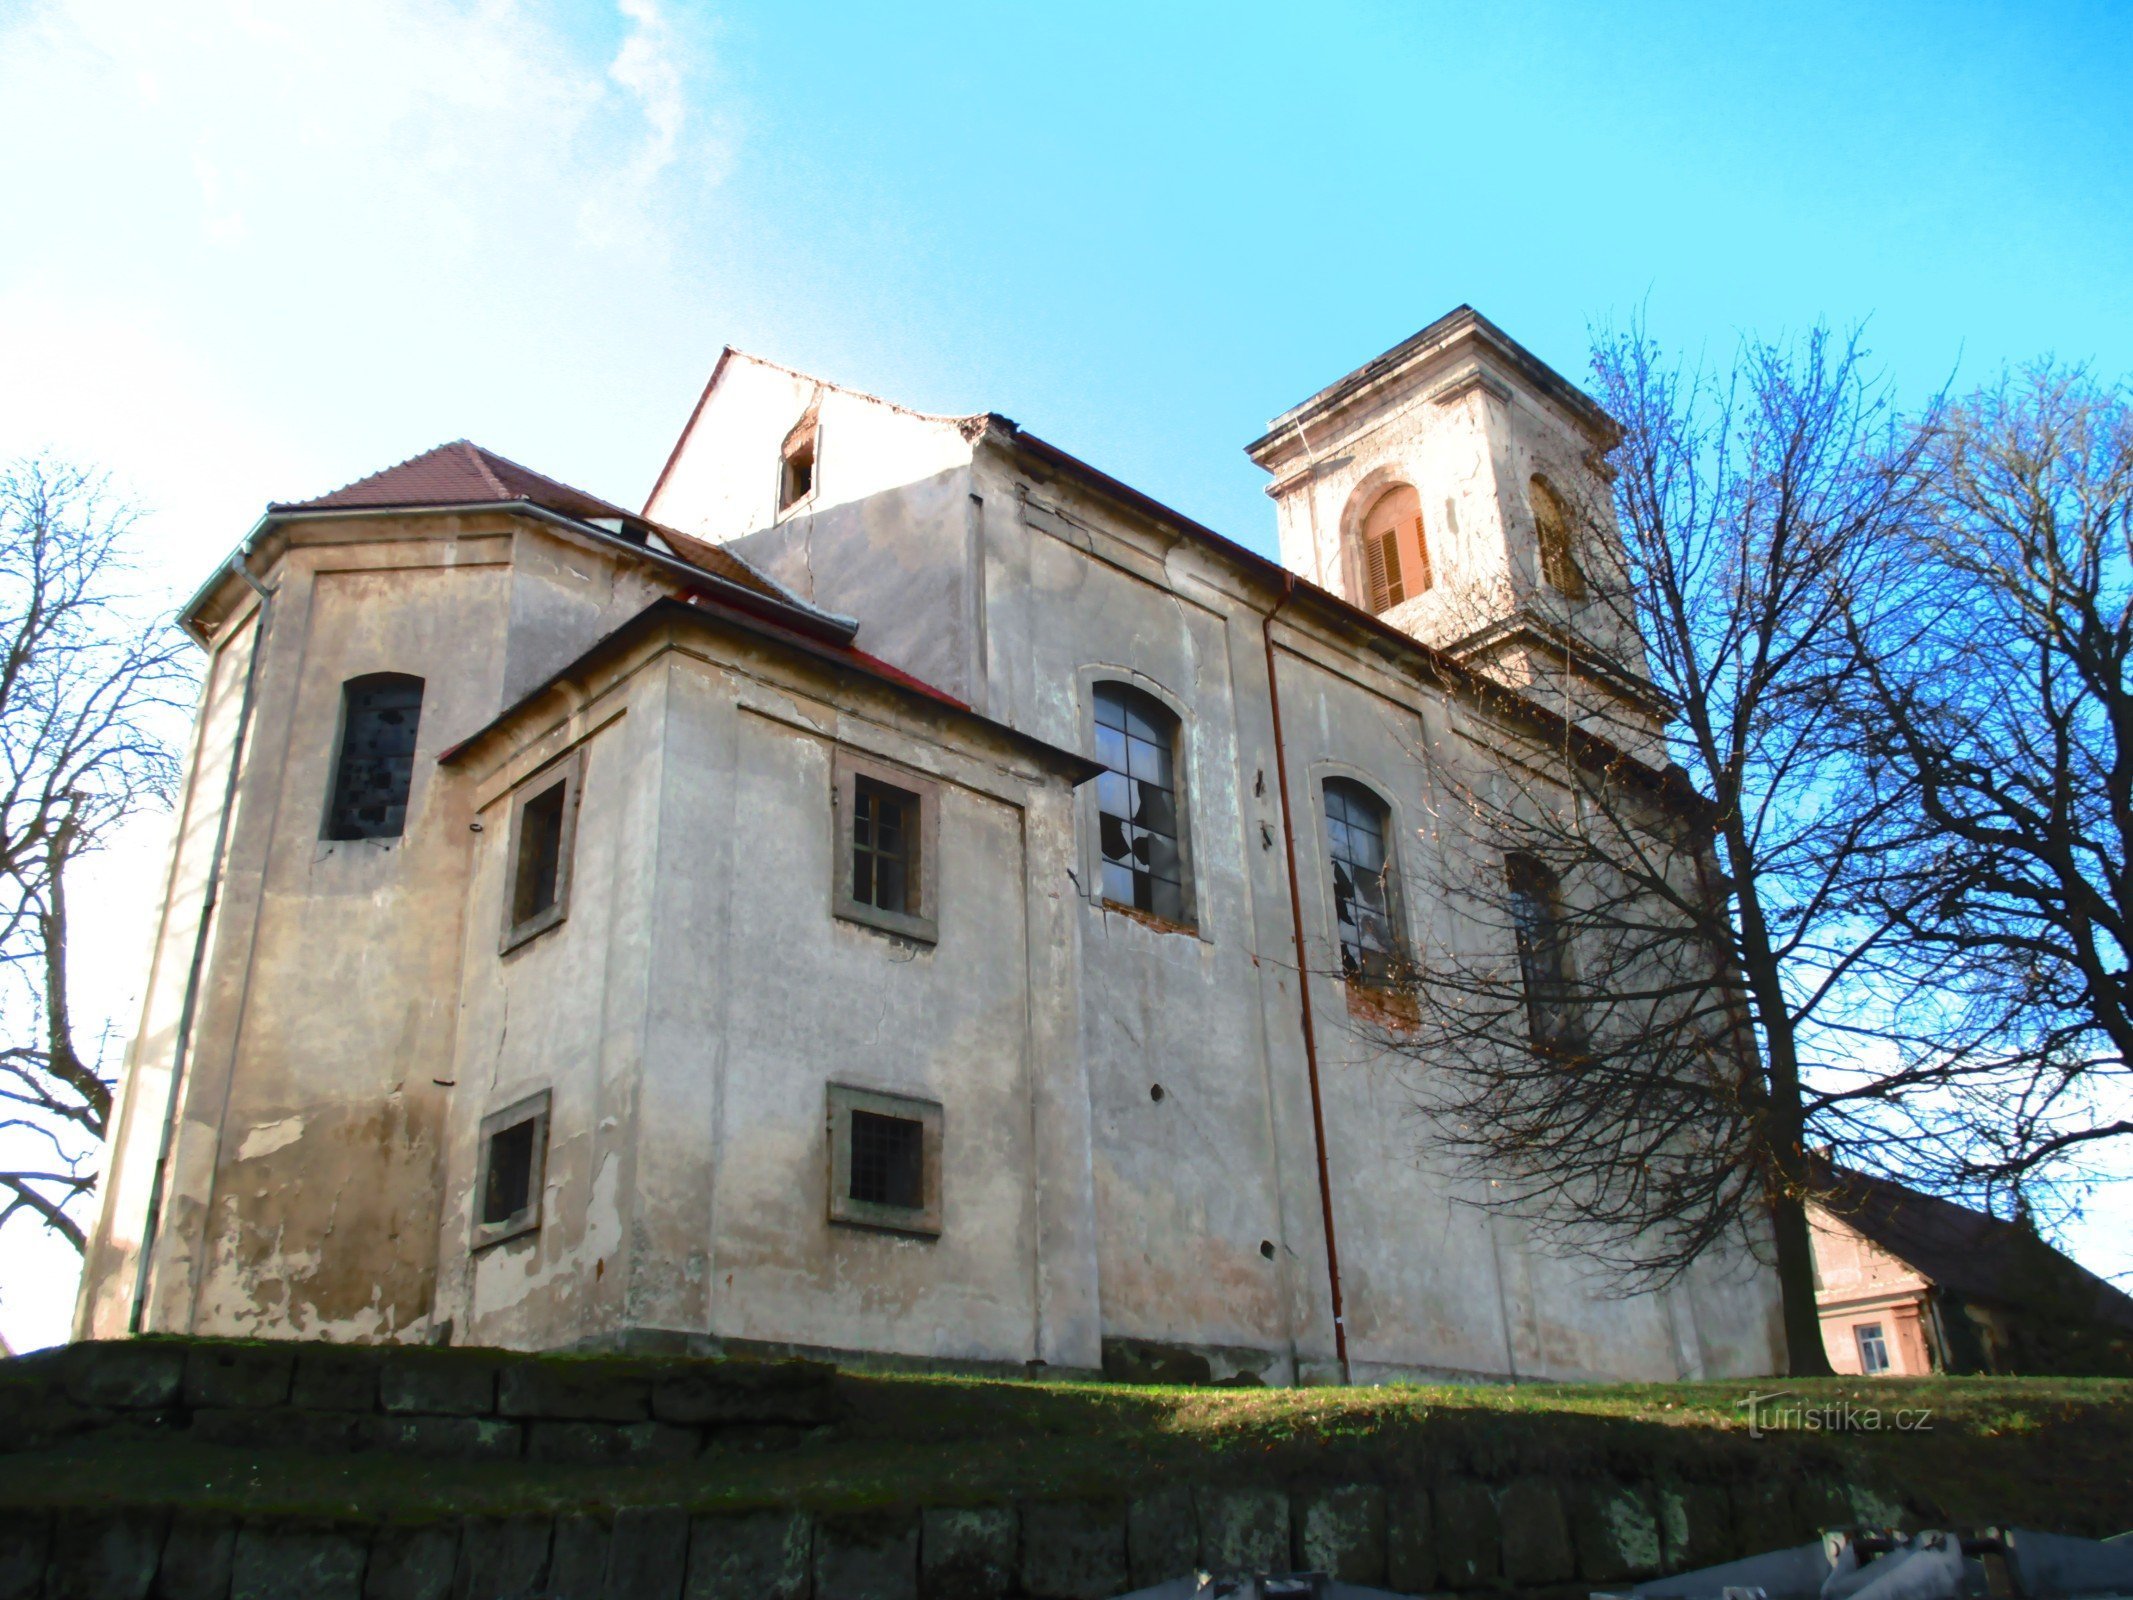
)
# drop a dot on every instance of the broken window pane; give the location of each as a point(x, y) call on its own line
point(1357, 826)
point(884, 846)
point(888, 1160)
point(380, 716)
point(1536, 918)
point(1138, 825)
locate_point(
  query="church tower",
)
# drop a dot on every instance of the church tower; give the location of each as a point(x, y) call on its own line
point(1456, 487)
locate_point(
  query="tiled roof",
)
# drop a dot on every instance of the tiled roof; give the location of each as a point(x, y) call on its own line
point(1971, 1253)
point(462, 473)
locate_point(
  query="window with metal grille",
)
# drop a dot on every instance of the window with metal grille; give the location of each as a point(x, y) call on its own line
point(1543, 960)
point(1358, 828)
point(1873, 1348)
point(1551, 525)
point(884, 846)
point(380, 715)
point(1139, 825)
point(1395, 556)
point(540, 853)
point(888, 1160)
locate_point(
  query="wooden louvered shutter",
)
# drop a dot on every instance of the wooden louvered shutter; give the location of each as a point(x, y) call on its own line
point(1423, 576)
point(1395, 561)
point(1381, 551)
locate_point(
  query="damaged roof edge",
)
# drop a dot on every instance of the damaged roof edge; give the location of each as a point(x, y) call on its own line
point(840, 657)
point(1594, 750)
point(796, 612)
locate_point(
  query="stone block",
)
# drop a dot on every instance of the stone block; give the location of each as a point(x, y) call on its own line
point(336, 1378)
point(318, 1432)
point(1243, 1530)
point(103, 1555)
point(196, 1558)
point(577, 1561)
point(501, 1558)
point(1468, 1541)
point(1410, 1539)
point(281, 1563)
point(1162, 1537)
point(867, 1556)
point(125, 1374)
point(1695, 1525)
point(438, 1383)
point(1616, 1531)
point(1341, 1532)
point(574, 1391)
point(411, 1563)
point(1763, 1517)
point(767, 1556)
point(1535, 1534)
point(647, 1554)
point(247, 1375)
point(797, 1394)
point(25, 1544)
point(1073, 1549)
point(601, 1442)
point(444, 1438)
point(966, 1554)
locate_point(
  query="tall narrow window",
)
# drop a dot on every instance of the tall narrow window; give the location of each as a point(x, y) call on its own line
point(884, 846)
point(1395, 556)
point(1143, 862)
point(544, 825)
point(1536, 916)
point(1357, 834)
point(380, 715)
point(1551, 526)
point(796, 463)
point(1873, 1348)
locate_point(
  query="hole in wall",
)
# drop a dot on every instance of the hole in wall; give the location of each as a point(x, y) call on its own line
point(1266, 1248)
point(1155, 1093)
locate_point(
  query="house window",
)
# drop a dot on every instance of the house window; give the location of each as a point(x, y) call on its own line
point(796, 463)
point(514, 1161)
point(1543, 961)
point(886, 863)
point(380, 715)
point(1873, 1348)
point(544, 825)
point(1395, 556)
point(1140, 825)
point(884, 1161)
point(884, 844)
point(1358, 832)
point(1551, 526)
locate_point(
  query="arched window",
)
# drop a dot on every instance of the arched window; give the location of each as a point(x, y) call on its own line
point(376, 766)
point(1395, 556)
point(1551, 525)
point(1552, 1020)
point(1139, 819)
point(1359, 838)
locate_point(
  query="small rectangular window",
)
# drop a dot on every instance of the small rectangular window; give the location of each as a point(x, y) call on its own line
point(514, 1159)
point(1873, 1348)
point(887, 824)
point(884, 843)
point(884, 1160)
point(796, 464)
point(543, 836)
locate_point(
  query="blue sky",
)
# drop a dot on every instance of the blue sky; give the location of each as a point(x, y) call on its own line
point(254, 251)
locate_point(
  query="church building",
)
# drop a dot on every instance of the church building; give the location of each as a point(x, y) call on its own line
point(902, 895)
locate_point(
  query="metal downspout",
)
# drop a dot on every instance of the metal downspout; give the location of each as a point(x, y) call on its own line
point(183, 1048)
point(1303, 984)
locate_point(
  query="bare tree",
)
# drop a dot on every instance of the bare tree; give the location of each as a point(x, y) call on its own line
point(1672, 981)
point(2005, 708)
point(83, 686)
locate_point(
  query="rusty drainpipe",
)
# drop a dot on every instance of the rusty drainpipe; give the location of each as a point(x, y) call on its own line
point(1303, 983)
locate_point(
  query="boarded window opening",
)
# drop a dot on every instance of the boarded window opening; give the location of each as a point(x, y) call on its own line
point(1551, 525)
point(540, 853)
point(380, 716)
point(1358, 829)
point(796, 465)
point(1395, 554)
point(1138, 817)
point(888, 1160)
point(884, 846)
